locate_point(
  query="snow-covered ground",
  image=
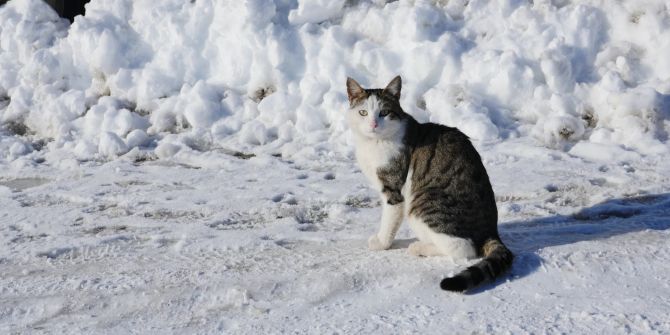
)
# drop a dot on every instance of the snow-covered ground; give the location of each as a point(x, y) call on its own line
point(269, 245)
point(185, 167)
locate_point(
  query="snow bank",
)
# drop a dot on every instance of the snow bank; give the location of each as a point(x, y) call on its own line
point(268, 76)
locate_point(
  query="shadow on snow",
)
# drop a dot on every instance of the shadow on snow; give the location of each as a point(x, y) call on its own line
point(601, 221)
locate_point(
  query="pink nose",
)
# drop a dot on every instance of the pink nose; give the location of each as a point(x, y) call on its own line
point(373, 124)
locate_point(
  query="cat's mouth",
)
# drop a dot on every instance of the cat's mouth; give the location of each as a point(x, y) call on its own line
point(373, 132)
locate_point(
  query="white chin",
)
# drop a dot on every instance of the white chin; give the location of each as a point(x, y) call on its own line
point(371, 134)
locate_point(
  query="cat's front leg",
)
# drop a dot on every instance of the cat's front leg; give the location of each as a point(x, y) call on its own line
point(392, 216)
point(392, 196)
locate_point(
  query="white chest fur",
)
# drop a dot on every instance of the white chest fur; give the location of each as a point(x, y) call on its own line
point(373, 154)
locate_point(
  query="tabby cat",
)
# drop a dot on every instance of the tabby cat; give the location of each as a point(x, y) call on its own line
point(432, 175)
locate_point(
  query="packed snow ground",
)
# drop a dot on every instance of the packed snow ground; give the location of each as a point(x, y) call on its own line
point(268, 245)
point(185, 167)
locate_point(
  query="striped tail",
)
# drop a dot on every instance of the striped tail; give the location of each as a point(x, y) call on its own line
point(497, 260)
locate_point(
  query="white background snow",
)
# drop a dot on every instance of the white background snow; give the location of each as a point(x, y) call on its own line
point(185, 166)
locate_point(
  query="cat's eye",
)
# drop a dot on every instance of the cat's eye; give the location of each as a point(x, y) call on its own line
point(363, 112)
point(384, 112)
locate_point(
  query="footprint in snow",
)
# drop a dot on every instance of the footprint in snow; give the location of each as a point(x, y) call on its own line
point(286, 198)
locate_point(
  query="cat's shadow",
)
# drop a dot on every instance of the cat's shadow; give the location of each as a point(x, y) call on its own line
point(604, 220)
point(402, 243)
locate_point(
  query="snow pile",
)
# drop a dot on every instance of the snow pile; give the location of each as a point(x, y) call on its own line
point(269, 76)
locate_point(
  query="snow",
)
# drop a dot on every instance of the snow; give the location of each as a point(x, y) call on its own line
point(561, 73)
point(181, 166)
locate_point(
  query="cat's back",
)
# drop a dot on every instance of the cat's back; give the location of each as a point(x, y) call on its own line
point(440, 143)
point(444, 158)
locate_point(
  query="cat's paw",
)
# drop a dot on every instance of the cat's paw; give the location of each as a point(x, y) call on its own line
point(417, 249)
point(374, 243)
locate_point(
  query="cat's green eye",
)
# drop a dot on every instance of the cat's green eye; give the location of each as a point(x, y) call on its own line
point(363, 112)
point(384, 112)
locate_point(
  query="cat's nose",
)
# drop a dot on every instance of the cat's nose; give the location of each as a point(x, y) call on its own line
point(373, 124)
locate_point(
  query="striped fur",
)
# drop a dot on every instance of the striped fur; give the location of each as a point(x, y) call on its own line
point(437, 175)
point(497, 259)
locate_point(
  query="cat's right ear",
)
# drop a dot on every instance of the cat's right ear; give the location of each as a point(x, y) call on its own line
point(354, 90)
point(394, 86)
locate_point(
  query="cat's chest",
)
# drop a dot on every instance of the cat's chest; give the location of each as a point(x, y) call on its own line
point(372, 155)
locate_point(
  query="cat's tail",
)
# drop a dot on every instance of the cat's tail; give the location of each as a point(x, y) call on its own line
point(497, 260)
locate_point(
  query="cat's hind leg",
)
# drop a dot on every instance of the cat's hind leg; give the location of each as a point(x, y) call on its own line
point(424, 246)
point(425, 249)
point(435, 244)
point(454, 247)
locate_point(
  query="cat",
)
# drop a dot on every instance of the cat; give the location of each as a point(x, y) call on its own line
point(432, 175)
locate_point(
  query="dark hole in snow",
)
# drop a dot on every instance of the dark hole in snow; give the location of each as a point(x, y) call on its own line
point(635, 17)
point(421, 103)
point(566, 132)
point(145, 156)
point(4, 101)
point(67, 8)
point(235, 153)
point(589, 118)
point(262, 93)
point(38, 145)
point(551, 188)
point(243, 155)
point(17, 128)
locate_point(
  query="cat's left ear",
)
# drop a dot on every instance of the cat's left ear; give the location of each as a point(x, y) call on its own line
point(393, 88)
point(354, 90)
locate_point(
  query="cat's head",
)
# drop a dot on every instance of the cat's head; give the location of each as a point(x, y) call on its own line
point(376, 113)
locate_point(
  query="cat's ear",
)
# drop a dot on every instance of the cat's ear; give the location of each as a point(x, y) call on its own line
point(354, 90)
point(393, 88)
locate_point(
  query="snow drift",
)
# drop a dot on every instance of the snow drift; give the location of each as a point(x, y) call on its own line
point(268, 75)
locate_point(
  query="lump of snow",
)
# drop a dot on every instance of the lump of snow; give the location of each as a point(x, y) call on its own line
point(316, 11)
point(111, 145)
point(137, 138)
